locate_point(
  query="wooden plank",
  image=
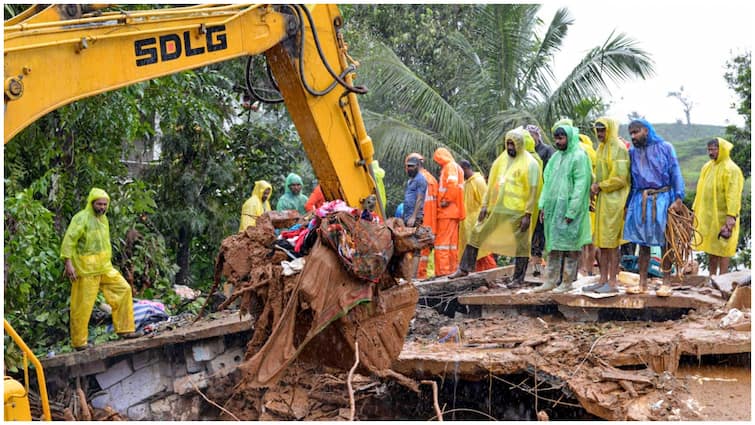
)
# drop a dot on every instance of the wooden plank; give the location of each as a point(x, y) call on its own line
point(621, 375)
point(225, 323)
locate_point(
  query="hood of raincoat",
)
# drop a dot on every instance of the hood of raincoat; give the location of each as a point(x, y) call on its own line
point(259, 188)
point(653, 137)
point(724, 150)
point(560, 123)
point(442, 156)
point(97, 193)
point(517, 136)
point(293, 179)
point(612, 128)
point(529, 142)
point(572, 137)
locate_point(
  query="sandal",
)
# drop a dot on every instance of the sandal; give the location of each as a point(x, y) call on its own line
point(664, 291)
point(605, 288)
point(636, 290)
point(593, 287)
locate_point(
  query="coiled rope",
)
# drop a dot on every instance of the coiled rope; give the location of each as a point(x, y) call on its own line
point(680, 231)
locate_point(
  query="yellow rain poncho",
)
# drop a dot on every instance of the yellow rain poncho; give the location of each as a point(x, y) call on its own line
point(512, 192)
point(586, 144)
point(254, 207)
point(612, 175)
point(719, 194)
point(529, 146)
point(474, 190)
point(87, 244)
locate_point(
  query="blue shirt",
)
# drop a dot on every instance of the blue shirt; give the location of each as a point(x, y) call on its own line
point(414, 187)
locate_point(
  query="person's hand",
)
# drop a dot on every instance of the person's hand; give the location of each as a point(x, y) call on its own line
point(444, 204)
point(595, 189)
point(678, 205)
point(483, 214)
point(410, 222)
point(70, 272)
point(730, 222)
point(525, 224)
point(542, 216)
point(569, 220)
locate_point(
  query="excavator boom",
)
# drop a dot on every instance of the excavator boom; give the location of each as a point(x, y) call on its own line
point(63, 53)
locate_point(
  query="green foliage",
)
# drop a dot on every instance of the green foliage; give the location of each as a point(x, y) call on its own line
point(36, 293)
point(501, 78)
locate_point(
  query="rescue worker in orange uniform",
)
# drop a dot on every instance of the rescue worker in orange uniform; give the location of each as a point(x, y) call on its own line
point(451, 212)
point(431, 205)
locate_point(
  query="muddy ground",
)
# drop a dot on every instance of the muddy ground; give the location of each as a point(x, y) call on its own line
point(507, 368)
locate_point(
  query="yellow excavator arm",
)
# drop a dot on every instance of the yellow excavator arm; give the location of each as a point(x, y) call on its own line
point(61, 53)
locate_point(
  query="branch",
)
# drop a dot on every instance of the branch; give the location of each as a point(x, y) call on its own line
point(434, 385)
point(352, 406)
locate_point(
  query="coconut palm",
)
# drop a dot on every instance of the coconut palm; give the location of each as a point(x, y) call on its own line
point(505, 79)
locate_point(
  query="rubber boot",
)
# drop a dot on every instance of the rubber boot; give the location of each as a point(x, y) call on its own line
point(571, 265)
point(520, 270)
point(552, 272)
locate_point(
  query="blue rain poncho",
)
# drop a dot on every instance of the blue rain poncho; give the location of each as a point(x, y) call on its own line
point(657, 178)
point(566, 193)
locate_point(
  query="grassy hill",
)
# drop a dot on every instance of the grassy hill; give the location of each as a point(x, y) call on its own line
point(690, 143)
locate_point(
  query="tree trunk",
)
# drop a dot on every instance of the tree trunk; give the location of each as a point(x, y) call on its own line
point(182, 255)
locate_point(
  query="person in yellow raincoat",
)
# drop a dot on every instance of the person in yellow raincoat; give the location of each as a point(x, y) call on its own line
point(717, 203)
point(86, 251)
point(504, 220)
point(474, 190)
point(611, 188)
point(256, 205)
point(450, 210)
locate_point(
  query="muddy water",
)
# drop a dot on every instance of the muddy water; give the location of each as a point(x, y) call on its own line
point(722, 390)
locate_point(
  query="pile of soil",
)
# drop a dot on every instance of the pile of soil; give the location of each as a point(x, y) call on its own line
point(275, 383)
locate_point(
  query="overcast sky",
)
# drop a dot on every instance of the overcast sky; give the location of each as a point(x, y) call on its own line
point(690, 42)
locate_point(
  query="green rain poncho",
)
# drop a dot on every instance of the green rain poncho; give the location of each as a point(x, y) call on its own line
point(289, 201)
point(612, 175)
point(254, 207)
point(719, 193)
point(512, 192)
point(566, 194)
point(87, 239)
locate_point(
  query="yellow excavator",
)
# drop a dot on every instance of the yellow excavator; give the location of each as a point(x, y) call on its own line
point(57, 54)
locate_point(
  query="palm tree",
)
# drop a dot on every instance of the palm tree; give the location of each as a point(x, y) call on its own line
point(504, 79)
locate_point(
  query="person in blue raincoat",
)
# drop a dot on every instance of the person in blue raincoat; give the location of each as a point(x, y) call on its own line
point(657, 185)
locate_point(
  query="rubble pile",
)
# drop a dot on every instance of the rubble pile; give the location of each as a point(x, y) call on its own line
point(350, 280)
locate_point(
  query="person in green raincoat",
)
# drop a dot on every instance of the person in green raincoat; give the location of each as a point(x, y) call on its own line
point(717, 203)
point(504, 221)
point(256, 205)
point(86, 251)
point(292, 198)
point(564, 209)
point(611, 189)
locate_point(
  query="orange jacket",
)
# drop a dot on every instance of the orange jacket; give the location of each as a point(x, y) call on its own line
point(430, 209)
point(450, 186)
point(315, 200)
